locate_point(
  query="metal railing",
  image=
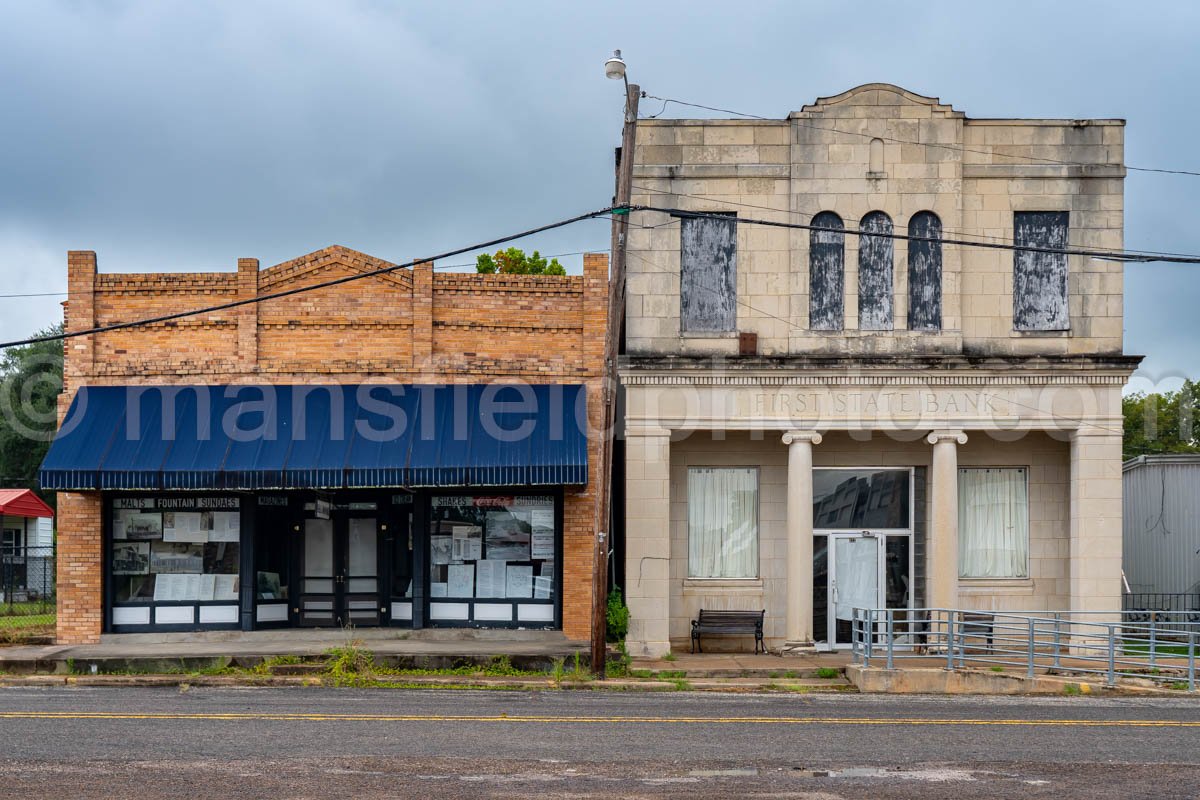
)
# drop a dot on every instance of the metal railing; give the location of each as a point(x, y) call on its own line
point(27, 581)
point(1159, 646)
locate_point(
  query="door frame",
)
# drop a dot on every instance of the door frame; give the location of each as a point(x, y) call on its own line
point(339, 519)
point(882, 534)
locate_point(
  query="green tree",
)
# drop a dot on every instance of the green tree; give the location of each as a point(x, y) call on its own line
point(1162, 422)
point(31, 378)
point(514, 261)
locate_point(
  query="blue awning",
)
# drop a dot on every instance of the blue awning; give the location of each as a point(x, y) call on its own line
point(320, 437)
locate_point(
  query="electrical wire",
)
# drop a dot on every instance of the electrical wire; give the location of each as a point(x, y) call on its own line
point(654, 268)
point(302, 289)
point(720, 199)
point(1112, 255)
point(958, 148)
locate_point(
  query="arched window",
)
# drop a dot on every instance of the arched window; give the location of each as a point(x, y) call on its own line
point(875, 273)
point(826, 272)
point(925, 273)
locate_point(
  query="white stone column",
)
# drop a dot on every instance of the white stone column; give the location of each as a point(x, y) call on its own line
point(1094, 570)
point(648, 540)
point(799, 634)
point(943, 527)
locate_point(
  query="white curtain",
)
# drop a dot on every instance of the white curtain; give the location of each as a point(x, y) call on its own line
point(993, 523)
point(722, 522)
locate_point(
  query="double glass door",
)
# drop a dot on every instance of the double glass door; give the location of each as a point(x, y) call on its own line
point(340, 572)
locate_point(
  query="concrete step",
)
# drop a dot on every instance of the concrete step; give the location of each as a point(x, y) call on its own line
point(742, 672)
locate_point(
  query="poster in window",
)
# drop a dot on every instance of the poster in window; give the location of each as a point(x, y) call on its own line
point(507, 536)
point(437, 590)
point(460, 580)
point(467, 544)
point(225, 587)
point(186, 526)
point(491, 578)
point(269, 586)
point(542, 536)
point(519, 582)
point(131, 558)
point(173, 588)
point(176, 557)
point(140, 525)
point(441, 549)
point(226, 526)
point(541, 587)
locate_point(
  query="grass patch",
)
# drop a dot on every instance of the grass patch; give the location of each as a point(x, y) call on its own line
point(826, 673)
point(681, 685)
point(1159, 649)
point(669, 657)
point(997, 668)
point(1179, 686)
point(1072, 690)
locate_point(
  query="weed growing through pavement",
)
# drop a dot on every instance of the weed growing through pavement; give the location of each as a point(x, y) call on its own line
point(824, 672)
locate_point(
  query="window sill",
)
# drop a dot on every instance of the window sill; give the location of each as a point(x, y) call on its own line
point(708, 334)
point(996, 585)
point(702, 585)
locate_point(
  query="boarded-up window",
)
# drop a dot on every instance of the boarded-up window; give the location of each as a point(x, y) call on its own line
point(875, 273)
point(826, 272)
point(1040, 278)
point(708, 274)
point(925, 272)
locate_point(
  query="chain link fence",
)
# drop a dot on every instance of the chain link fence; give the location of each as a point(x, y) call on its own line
point(26, 590)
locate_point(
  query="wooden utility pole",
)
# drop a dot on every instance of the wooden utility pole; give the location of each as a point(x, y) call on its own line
point(612, 339)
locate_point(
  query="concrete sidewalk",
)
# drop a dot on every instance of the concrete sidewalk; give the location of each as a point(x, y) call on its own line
point(535, 650)
point(745, 665)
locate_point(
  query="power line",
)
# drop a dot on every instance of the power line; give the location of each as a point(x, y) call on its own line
point(959, 148)
point(302, 289)
point(655, 268)
point(1113, 255)
point(720, 198)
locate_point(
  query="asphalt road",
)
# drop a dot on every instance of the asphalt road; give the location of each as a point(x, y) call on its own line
point(286, 743)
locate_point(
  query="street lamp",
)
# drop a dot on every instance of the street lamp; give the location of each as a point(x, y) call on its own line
point(614, 68)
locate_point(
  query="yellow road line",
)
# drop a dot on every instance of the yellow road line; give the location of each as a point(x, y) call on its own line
point(288, 717)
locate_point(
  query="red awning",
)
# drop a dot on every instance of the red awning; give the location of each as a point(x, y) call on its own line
point(23, 503)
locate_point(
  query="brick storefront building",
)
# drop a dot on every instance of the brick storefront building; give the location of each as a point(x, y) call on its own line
point(409, 448)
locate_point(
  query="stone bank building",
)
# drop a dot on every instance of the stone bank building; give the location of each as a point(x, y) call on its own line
point(819, 420)
point(407, 449)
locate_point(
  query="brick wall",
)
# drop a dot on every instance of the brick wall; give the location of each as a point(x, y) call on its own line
point(411, 325)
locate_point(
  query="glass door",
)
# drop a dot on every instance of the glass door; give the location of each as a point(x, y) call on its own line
point(855, 580)
point(340, 583)
point(360, 579)
point(318, 596)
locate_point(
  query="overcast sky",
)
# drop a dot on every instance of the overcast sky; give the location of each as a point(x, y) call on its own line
point(180, 136)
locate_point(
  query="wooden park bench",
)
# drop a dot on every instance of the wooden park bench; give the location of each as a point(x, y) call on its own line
point(729, 623)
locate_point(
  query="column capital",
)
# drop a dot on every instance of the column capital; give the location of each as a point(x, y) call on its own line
point(1089, 431)
point(936, 437)
point(646, 431)
point(812, 437)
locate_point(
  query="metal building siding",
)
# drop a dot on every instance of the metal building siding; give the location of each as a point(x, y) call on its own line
point(1162, 524)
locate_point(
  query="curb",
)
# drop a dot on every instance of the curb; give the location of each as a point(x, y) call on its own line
point(416, 681)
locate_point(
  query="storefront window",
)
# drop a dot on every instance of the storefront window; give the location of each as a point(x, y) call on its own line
point(492, 547)
point(273, 539)
point(167, 550)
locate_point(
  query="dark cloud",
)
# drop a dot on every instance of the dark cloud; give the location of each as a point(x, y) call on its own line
point(181, 136)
